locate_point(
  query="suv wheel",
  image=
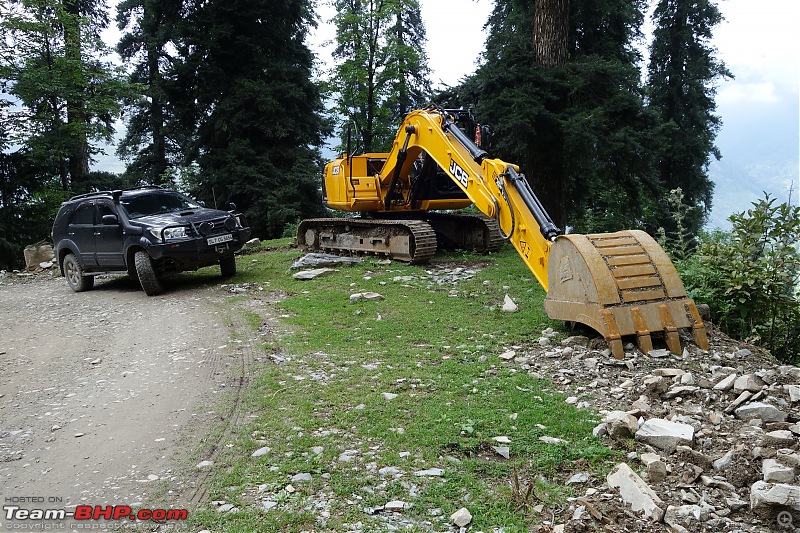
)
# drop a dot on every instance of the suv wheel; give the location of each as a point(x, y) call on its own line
point(74, 274)
point(227, 266)
point(147, 274)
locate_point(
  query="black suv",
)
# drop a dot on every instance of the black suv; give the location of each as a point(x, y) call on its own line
point(147, 232)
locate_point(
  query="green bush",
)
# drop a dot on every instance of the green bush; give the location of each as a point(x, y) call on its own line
point(749, 277)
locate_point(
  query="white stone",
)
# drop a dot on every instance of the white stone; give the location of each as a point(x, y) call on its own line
point(621, 425)
point(635, 492)
point(664, 434)
point(261, 451)
point(306, 275)
point(656, 469)
point(767, 495)
point(301, 478)
point(431, 472)
point(503, 451)
point(396, 506)
point(388, 396)
point(749, 382)
point(793, 391)
point(204, 464)
point(764, 411)
point(509, 307)
point(461, 518)
point(775, 472)
point(368, 296)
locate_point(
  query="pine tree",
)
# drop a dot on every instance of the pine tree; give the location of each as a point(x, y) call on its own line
point(150, 146)
point(51, 62)
point(681, 74)
point(579, 130)
point(381, 71)
point(243, 88)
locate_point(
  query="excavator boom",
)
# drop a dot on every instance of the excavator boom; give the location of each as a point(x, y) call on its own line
point(617, 283)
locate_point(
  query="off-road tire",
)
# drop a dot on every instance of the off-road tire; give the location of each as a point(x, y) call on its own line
point(147, 274)
point(73, 272)
point(227, 266)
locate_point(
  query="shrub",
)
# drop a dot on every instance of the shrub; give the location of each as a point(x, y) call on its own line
point(749, 276)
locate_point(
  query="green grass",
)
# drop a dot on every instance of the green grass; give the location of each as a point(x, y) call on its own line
point(433, 345)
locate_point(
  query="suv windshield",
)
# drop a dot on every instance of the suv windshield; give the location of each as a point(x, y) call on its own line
point(153, 203)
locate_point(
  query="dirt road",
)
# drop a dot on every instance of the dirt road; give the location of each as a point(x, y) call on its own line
point(103, 393)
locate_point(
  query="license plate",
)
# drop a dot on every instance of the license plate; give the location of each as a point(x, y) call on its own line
point(220, 239)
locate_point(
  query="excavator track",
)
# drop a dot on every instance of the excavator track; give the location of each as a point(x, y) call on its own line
point(409, 241)
point(466, 232)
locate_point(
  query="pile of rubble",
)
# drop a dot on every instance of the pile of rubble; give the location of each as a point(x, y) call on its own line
point(711, 436)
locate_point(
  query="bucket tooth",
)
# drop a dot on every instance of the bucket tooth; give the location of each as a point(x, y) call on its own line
point(642, 333)
point(611, 334)
point(670, 331)
point(698, 328)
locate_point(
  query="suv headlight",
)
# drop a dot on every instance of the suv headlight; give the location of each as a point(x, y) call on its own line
point(175, 232)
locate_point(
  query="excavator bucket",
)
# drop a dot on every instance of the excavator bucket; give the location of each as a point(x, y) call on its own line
point(620, 284)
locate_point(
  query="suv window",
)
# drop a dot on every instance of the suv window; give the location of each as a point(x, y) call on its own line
point(84, 215)
point(154, 203)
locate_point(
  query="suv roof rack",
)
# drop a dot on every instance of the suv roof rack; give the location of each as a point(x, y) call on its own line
point(110, 193)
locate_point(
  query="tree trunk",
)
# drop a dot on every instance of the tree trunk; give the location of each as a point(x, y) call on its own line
point(550, 30)
point(76, 110)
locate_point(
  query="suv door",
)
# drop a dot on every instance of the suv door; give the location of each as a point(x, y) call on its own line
point(81, 232)
point(108, 238)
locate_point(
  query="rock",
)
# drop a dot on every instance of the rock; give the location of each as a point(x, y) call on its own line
point(659, 354)
point(204, 464)
point(45, 265)
point(578, 478)
point(726, 383)
point(775, 472)
point(253, 243)
point(261, 452)
point(301, 478)
point(509, 306)
point(461, 518)
point(764, 411)
point(508, 355)
point(686, 517)
point(635, 492)
point(431, 472)
point(576, 340)
point(765, 495)
point(793, 391)
point(267, 505)
point(748, 382)
point(35, 254)
point(503, 451)
point(389, 471)
point(323, 260)
point(388, 396)
point(228, 507)
point(620, 425)
point(366, 296)
point(305, 275)
point(724, 462)
point(665, 435)
point(656, 469)
point(396, 506)
point(779, 438)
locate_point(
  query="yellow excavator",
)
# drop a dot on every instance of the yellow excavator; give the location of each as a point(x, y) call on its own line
point(619, 283)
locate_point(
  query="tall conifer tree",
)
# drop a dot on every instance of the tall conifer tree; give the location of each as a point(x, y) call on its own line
point(151, 145)
point(244, 88)
point(381, 71)
point(573, 118)
point(681, 76)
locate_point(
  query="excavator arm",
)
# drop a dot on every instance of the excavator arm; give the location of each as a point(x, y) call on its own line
point(495, 187)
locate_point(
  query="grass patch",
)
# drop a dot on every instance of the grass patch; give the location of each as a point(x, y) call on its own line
point(370, 393)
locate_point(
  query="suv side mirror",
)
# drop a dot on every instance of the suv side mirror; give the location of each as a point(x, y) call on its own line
point(110, 220)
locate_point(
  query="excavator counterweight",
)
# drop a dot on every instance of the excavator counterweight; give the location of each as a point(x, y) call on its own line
point(619, 284)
